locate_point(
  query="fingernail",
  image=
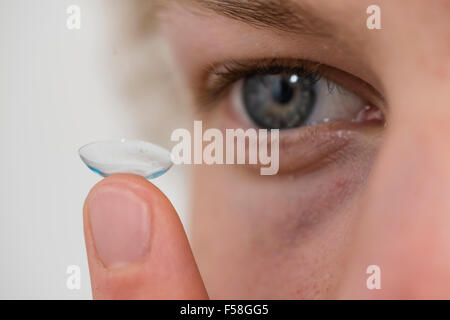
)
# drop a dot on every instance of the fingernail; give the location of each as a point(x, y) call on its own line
point(120, 224)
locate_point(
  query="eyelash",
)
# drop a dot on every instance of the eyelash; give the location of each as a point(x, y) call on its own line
point(220, 78)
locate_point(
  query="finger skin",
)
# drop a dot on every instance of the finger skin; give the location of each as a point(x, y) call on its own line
point(168, 269)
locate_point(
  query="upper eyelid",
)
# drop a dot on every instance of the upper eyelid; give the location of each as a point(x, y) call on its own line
point(234, 68)
point(220, 76)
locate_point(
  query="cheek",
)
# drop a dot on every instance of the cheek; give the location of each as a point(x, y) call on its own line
point(278, 237)
point(277, 210)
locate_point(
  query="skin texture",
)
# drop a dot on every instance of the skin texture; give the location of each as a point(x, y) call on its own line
point(341, 202)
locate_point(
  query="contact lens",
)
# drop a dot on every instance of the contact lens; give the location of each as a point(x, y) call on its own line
point(126, 156)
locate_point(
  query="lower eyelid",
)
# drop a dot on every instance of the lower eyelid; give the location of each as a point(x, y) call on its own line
point(327, 143)
point(311, 148)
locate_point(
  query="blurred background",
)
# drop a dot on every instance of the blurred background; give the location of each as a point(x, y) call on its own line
point(61, 89)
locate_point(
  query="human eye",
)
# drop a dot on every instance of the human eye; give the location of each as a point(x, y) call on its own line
point(324, 114)
point(289, 94)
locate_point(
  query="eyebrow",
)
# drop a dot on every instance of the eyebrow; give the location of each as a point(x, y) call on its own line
point(283, 15)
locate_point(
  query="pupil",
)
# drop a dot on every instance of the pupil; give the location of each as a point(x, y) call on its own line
point(282, 92)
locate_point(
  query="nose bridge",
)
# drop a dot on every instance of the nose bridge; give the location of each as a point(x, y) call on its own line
point(414, 160)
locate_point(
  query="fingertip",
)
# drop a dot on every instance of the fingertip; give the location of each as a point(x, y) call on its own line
point(133, 238)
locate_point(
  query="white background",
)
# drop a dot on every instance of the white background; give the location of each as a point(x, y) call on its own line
point(57, 93)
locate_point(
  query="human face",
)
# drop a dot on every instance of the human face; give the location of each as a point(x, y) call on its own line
point(349, 194)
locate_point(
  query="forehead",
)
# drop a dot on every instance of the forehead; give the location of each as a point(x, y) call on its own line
point(285, 15)
point(215, 29)
point(340, 20)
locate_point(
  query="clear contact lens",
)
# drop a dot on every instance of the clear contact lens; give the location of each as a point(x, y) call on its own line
point(126, 156)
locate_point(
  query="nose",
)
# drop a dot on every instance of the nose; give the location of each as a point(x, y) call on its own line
point(404, 214)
